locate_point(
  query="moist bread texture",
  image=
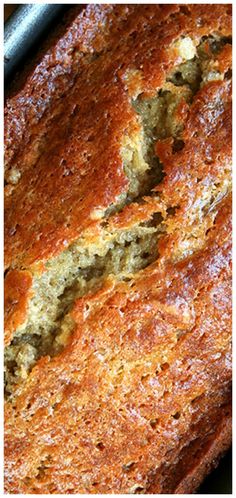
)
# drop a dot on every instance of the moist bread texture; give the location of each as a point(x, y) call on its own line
point(118, 254)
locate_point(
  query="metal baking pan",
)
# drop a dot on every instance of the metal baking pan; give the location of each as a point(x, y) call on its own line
point(24, 30)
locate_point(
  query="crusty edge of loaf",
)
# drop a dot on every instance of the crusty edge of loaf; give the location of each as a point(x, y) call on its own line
point(217, 448)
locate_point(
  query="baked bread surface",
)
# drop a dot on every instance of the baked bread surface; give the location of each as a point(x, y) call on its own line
point(117, 233)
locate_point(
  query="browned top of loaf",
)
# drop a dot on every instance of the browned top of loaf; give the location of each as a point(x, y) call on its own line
point(64, 128)
point(82, 421)
point(93, 420)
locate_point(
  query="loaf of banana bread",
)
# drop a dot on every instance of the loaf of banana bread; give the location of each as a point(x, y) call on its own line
point(117, 254)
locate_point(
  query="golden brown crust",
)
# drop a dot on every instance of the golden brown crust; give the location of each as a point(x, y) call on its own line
point(82, 138)
point(204, 452)
point(215, 448)
point(138, 400)
point(158, 323)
